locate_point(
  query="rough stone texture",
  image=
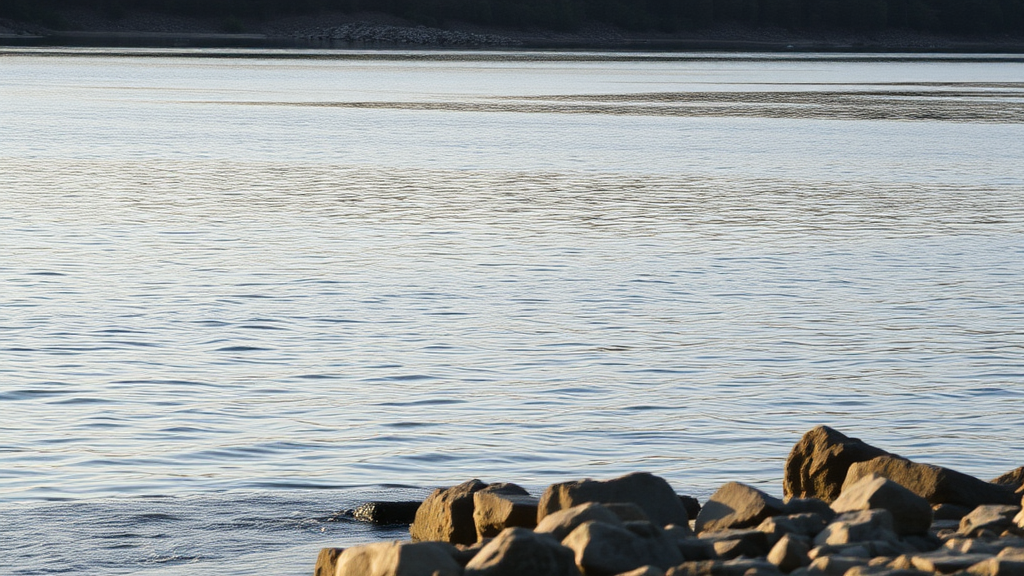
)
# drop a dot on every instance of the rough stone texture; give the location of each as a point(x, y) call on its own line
point(809, 506)
point(517, 551)
point(501, 506)
point(605, 550)
point(911, 513)
point(992, 518)
point(561, 523)
point(385, 513)
point(738, 567)
point(997, 567)
point(944, 562)
point(737, 505)
point(835, 565)
point(627, 511)
point(808, 525)
point(447, 515)
point(1014, 478)
point(326, 561)
point(936, 484)
point(817, 464)
point(694, 549)
point(949, 512)
point(647, 491)
point(790, 553)
point(729, 544)
point(858, 526)
point(399, 559)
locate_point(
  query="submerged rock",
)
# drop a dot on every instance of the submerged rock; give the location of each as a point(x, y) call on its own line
point(385, 513)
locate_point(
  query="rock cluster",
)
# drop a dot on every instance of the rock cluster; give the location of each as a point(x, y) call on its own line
point(850, 510)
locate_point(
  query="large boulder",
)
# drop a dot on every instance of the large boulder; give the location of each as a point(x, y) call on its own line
point(1014, 479)
point(817, 464)
point(936, 484)
point(519, 551)
point(647, 491)
point(993, 518)
point(561, 523)
point(737, 505)
point(399, 559)
point(911, 513)
point(501, 506)
point(447, 515)
point(605, 550)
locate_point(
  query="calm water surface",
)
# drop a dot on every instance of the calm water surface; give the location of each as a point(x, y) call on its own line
point(241, 293)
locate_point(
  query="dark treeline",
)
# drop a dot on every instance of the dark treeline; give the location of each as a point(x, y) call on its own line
point(939, 16)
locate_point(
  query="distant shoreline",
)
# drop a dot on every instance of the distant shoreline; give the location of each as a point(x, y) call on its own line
point(380, 31)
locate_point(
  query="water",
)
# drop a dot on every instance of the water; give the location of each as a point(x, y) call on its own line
point(241, 293)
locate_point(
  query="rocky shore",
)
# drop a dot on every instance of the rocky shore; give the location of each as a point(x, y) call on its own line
point(849, 509)
point(377, 30)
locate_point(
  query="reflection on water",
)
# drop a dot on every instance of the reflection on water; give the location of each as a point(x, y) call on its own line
point(324, 275)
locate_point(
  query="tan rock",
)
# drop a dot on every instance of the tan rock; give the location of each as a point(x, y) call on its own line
point(645, 571)
point(737, 505)
point(651, 493)
point(807, 525)
point(326, 561)
point(399, 559)
point(447, 515)
point(834, 565)
point(817, 464)
point(936, 484)
point(990, 517)
point(519, 551)
point(998, 567)
point(737, 567)
point(858, 526)
point(503, 506)
point(605, 550)
point(560, 524)
point(946, 562)
point(911, 513)
point(790, 553)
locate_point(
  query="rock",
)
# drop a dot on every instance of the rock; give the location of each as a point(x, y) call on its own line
point(817, 464)
point(810, 506)
point(649, 492)
point(991, 517)
point(729, 544)
point(834, 565)
point(790, 553)
point(645, 571)
point(447, 515)
point(858, 527)
point(936, 484)
point(605, 550)
point(880, 571)
point(997, 567)
point(807, 525)
point(327, 561)
point(737, 505)
point(738, 567)
point(678, 532)
point(501, 506)
point(517, 551)
point(949, 512)
point(464, 553)
point(970, 546)
point(945, 562)
point(852, 550)
point(691, 504)
point(627, 511)
point(385, 513)
point(1014, 478)
point(399, 559)
point(561, 523)
point(911, 513)
point(694, 549)
point(926, 543)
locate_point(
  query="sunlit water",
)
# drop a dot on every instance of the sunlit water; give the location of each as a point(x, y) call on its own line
point(239, 294)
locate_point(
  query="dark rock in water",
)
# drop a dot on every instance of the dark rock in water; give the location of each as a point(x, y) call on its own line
point(936, 484)
point(327, 561)
point(1014, 478)
point(605, 550)
point(737, 505)
point(817, 464)
point(501, 506)
point(519, 551)
point(649, 492)
point(385, 513)
point(911, 513)
point(447, 515)
point(993, 518)
point(561, 523)
point(399, 559)
point(691, 504)
point(790, 553)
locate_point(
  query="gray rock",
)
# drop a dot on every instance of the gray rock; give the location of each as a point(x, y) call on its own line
point(852, 550)
point(729, 544)
point(997, 567)
point(399, 559)
point(993, 518)
point(561, 523)
point(627, 511)
point(386, 513)
point(645, 571)
point(858, 527)
point(834, 565)
point(949, 512)
point(518, 551)
point(911, 513)
point(817, 464)
point(1014, 478)
point(464, 553)
point(790, 553)
point(738, 567)
point(327, 561)
point(678, 532)
point(810, 506)
point(695, 549)
point(971, 546)
point(501, 506)
point(807, 525)
point(649, 492)
point(936, 484)
point(945, 562)
point(737, 505)
point(447, 515)
point(605, 550)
